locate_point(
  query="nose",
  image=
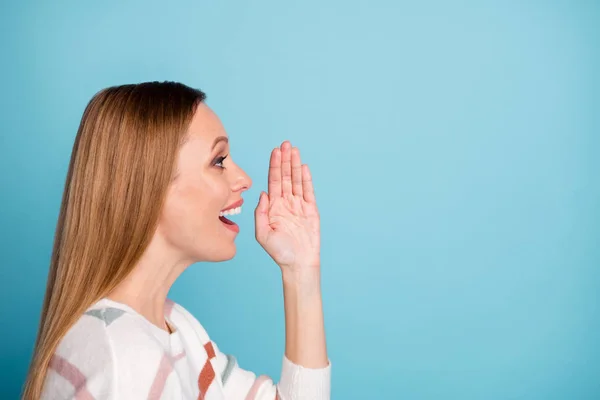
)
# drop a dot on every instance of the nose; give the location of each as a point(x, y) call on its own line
point(241, 180)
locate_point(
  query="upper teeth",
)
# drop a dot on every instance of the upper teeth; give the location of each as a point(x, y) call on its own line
point(231, 211)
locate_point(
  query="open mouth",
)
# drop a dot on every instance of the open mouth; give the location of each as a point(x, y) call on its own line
point(233, 209)
point(226, 221)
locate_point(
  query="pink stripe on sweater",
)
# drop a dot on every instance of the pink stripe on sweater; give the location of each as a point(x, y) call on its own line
point(160, 379)
point(179, 356)
point(71, 373)
point(257, 384)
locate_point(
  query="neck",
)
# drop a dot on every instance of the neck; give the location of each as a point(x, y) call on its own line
point(146, 288)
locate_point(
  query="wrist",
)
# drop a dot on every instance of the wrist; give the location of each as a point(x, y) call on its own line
point(301, 276)
point(304, 321)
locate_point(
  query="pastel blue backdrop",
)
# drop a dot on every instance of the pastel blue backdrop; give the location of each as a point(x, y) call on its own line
point(455, 151)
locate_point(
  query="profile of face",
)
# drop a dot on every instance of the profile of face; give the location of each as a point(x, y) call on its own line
point(207, 188)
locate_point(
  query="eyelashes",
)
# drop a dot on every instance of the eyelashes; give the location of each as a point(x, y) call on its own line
point(218, 162)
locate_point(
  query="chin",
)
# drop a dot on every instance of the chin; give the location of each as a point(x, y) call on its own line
point(224, 254)
point(228, 257)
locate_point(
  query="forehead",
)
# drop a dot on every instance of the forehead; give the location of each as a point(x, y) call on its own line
point(205, 126)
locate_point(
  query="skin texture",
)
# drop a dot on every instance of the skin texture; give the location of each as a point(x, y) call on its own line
point(287, 226)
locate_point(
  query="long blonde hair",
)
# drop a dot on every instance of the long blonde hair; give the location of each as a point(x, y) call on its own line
point(122, 161)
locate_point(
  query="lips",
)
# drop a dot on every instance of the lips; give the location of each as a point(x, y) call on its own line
point(234, 205)
point(232, 209)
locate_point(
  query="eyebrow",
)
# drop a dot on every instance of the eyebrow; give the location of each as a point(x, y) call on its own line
point(220, 139)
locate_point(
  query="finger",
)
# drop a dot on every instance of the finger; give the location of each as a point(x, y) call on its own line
point(261, 218)
point(296, 172)
point(286, 168)
point(307, 185)
point(275, 174)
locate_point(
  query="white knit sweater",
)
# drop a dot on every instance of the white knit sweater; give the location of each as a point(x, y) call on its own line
point(113, 352)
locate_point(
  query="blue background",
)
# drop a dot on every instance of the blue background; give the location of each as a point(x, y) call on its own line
point(455, 151)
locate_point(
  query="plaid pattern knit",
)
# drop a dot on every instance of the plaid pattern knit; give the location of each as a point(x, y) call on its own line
point(114, 353)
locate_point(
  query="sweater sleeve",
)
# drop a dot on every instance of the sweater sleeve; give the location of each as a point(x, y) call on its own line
point(296, 383)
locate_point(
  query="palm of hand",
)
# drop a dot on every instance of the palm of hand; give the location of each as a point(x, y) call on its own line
point(294, 238)
point(287, 219)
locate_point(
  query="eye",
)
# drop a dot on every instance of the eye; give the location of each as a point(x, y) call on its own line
point(218, 162)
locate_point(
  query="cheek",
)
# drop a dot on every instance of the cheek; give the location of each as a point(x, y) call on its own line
point(210, 196)
point(190, 221)
point(193, 207)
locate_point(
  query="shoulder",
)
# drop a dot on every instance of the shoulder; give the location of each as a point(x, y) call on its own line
point(83, 362)
point(106, 347)
point(103, 328)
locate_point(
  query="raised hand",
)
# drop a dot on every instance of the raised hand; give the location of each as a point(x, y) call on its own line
point(287, 219)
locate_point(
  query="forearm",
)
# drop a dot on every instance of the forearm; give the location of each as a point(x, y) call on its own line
point(305, 343)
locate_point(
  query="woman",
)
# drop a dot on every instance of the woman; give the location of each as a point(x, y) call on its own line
point(149, 191)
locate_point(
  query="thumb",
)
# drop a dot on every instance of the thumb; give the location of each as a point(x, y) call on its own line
point(261, 217)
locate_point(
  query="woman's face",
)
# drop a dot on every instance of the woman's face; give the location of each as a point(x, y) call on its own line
point(208, 182)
